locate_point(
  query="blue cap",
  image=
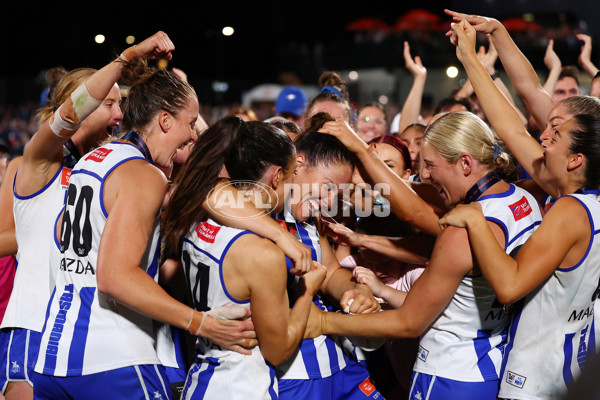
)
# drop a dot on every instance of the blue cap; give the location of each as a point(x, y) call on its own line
point(291, 100)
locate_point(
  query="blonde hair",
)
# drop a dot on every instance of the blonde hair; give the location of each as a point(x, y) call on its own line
point(460, 132)
point(63, 91)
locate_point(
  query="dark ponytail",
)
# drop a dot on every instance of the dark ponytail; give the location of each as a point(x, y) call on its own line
point(196, 179)
point(246, 149)
point(258, 146)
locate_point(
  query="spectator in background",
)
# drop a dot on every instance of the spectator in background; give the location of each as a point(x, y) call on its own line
point(289, 127)
point(567, 84)
point(333, 99)
point(372, 121)
point(411, 109)
point(451, 103)
point(52, 77)
point(245, 113)
point(412, 136)
point(291, 103)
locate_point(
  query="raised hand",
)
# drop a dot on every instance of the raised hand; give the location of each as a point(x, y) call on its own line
point(585, 56)
point(551, 59)
point(463, 37)
point(488, 58)
point(156, 46)
point(415, 66)
point(480, 24)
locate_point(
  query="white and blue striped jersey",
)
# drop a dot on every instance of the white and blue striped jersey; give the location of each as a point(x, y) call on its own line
point(322, 356)
point(548, 202)
point(466, 342)
point(86, 331)
point(217, 372)
point(552, 330)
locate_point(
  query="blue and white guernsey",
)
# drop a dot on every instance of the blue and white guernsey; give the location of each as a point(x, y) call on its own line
point(322, 356)
point(86, 331)
point(466, 341)
point(551, 334)
point(217, 372)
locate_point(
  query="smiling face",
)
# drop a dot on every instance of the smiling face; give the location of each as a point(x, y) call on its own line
point(556, 152)
point(557, 116)
point(371, 123)
point(448, 177)
point(393, 159)
point(176, 132)
point(316, 187)
point(333, 108)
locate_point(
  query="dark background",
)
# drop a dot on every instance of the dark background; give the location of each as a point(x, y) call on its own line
point(278, 42)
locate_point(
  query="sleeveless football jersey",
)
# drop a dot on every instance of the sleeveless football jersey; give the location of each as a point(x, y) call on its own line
point(552, 330)
point(466, 342)
point(86, 331)
point(322, 356)
point(217, 372)
point(35, 216)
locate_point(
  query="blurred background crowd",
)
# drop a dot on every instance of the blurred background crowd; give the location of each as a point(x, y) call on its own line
point(269, 48)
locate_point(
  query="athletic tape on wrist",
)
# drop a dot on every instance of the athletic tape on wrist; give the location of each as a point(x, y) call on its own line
point(83, 103)
point(191, 319)
point(58, 124)
point(192, 326)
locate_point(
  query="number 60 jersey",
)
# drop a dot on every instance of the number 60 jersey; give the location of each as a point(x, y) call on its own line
point(81, 321)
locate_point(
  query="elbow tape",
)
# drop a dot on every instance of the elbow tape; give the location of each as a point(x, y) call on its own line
point(83, 103)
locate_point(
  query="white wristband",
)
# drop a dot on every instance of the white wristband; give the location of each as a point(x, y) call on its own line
point(58, 125)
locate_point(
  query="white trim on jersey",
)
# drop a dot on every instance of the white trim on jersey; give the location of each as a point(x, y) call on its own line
point(322, 356)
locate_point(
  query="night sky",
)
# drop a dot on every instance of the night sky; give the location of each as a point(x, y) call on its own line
point(39, 36)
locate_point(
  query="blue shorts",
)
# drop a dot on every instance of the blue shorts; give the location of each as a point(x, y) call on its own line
point(19, 350)
point(432, 387)
point(177, 375)
point(139, 382)
point(176, 378)
point(351, 383)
